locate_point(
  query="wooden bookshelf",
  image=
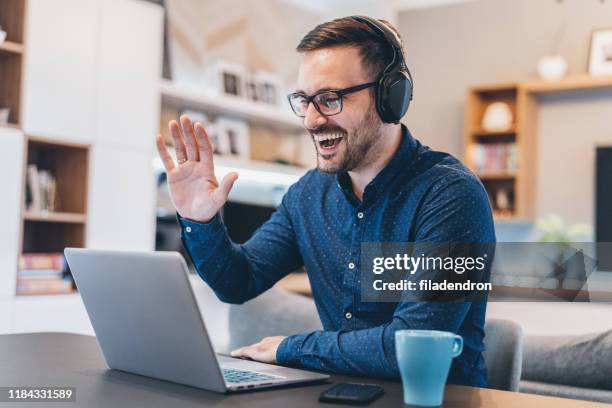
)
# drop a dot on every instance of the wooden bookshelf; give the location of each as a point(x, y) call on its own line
point(517, 185)
point(10, 126)
point(51, 230)
point(499, 181)
point(63, 221)
point(569, 83)
point(54, 216)
point(11, 47)
point(12, 20)
point(478, 131)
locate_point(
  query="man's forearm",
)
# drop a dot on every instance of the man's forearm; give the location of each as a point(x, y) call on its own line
point(235, 272)
point(369, 352)
point(357, 352)
point(218, 261)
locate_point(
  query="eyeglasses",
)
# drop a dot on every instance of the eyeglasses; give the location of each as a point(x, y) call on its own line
point(327, 103)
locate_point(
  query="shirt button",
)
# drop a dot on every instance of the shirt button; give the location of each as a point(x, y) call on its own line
point(348, 315)
point(351, 265)
point(187, 229)
point(360, 215)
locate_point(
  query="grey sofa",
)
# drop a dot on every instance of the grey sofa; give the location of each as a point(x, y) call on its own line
point(578, 367)
point(569, 367)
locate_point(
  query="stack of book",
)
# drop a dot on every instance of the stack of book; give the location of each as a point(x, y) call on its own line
point(43, 274)
point(495, 157)
point(41, 190)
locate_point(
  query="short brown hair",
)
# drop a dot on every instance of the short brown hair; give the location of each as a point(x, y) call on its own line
point(376, 53)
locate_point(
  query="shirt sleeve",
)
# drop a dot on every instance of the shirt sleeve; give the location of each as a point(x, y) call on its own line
point(237, 273)
point(455, 210)
point(368, 352)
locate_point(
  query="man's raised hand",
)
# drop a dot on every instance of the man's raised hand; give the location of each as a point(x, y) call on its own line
point(194, 189)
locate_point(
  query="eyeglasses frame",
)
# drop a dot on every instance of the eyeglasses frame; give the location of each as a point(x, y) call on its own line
point(340, 92)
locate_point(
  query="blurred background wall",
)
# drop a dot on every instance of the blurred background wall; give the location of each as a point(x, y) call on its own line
point(453, 47)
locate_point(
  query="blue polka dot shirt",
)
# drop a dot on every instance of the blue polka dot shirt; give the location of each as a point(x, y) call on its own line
point(421, 195)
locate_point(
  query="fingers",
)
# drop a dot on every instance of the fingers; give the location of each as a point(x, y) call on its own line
point(164, 154)
point(189, 138)
point(206, 150)
point(264, 351)
point(225, 187)
point(177, 141)
point(247, 351)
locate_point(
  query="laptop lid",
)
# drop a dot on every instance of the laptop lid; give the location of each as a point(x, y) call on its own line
point(159, 331)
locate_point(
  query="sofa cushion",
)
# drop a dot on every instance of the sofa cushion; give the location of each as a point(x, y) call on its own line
point(565, 391)
point(273, 313)
point(580, 361)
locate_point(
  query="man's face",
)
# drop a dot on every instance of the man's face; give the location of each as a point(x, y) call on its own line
point(353, 134)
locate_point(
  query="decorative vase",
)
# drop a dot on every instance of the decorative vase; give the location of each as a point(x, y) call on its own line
point(497, 117)
point(552, 68)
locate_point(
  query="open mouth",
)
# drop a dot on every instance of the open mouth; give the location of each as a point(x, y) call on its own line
point(328, 141)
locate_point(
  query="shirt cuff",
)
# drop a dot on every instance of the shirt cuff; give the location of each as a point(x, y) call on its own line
point(194, 230)
point(288, 352)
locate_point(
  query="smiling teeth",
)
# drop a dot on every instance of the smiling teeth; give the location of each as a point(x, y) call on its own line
point(327, 136)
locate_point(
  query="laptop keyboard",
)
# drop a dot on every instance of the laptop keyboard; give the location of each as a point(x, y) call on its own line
point(234, 375)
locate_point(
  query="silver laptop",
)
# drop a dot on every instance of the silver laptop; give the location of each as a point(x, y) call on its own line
point(147, 322)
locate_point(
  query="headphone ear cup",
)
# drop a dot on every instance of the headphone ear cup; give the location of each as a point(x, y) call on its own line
point(395, 92)
point(380, 97)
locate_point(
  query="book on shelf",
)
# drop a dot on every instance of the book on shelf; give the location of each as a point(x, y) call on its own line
point(44, 286)
point(494, 157)
point(43, 261)
point(41, 189)
point(43, 273)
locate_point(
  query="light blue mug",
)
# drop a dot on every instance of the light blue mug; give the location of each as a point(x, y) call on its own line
point(424, 358)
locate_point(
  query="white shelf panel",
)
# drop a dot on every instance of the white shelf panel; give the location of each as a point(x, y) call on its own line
point(259, 183)
point(259, 171)
point(11, 180)
point(254, 112)
point(254, 170)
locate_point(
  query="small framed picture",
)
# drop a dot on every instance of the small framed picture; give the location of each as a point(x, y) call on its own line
point(269, 87)
point(252, 93)
point(227, 78)
point(233, 138)
point(600, 59)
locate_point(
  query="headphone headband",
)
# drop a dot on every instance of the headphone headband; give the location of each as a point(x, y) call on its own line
point(394, 89)
point(388, 36)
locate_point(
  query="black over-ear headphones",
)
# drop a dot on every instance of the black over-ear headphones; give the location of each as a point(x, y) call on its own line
point(394, 89)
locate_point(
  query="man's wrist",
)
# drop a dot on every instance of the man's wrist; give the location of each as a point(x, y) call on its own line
point(288, 352)
point(195, 230)
point(180, 217)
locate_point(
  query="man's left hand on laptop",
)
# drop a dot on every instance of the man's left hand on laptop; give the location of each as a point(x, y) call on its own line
point(264, 351)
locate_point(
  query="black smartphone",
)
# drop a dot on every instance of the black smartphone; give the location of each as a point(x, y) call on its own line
point(349, 393)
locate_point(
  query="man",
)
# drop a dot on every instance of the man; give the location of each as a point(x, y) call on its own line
point(374, 183)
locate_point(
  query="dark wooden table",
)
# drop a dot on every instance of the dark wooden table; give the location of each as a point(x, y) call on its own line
point(61, 359)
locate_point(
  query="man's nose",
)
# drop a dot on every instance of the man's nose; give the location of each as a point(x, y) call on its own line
point(313, 118)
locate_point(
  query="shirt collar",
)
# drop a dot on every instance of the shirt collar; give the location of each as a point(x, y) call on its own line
point(383, 179)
